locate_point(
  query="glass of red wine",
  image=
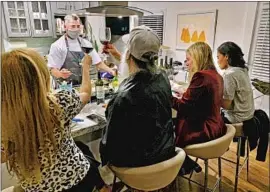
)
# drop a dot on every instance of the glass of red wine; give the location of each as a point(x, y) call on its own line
point(86, 46)
point(105, 38)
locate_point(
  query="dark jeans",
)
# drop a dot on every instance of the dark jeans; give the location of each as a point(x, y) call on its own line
point(93, 178)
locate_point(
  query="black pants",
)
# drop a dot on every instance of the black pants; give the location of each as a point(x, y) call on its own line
point(93, 178)
point(189, 164)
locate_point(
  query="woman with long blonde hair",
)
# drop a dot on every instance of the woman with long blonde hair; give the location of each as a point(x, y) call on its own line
point(198, 111)
point(36, 136)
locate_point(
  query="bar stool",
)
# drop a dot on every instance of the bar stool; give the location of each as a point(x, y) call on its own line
point(239, 135)
point(152, 177)
point(16, 188)
point(211, 150)
point(9, 189)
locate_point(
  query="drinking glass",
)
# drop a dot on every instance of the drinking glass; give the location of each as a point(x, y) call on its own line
point(105, 38)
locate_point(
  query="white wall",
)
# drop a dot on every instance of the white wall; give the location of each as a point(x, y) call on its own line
point(235, 21)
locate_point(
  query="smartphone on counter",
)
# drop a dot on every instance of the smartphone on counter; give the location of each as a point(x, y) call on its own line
point(93, 117)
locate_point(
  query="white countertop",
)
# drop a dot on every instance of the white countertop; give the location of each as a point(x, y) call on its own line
point(87, 125)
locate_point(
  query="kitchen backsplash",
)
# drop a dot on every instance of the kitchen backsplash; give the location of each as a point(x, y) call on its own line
point(42, 45)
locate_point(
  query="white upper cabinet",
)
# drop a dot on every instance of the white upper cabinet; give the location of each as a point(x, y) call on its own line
point(28, 19)
point(17, 19)
point(40, 18)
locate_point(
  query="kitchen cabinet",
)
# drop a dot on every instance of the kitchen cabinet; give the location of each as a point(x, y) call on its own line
point(80, 5)
point(27, 19)
point(17, 19)
point(85, 4)
point(40, 17)
point(61, 5)
point(64, 6)
point(3, 28)
point(69, 6)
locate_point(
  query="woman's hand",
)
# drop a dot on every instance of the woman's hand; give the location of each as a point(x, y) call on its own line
point(110, 48)
point(176, 95)
point(85, 89)
point(87, 60)
point(226, 104)
point(177, 90)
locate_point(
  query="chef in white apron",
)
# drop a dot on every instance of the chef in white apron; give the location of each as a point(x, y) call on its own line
point(66, 54)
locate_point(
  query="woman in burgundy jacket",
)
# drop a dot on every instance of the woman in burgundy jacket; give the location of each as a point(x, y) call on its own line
point(198, 111)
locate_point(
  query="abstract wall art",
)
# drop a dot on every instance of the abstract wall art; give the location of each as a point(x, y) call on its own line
point(196, 27)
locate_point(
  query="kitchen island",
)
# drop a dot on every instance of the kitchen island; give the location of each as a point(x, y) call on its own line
point(85, 129)
point(85, 126)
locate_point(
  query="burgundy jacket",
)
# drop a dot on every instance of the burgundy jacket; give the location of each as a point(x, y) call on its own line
point(198, 111)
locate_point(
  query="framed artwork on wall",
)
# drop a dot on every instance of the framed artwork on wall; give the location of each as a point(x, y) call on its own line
point(196, 27)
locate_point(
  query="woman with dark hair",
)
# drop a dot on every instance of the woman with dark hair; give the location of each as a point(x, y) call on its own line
point(238, 103)
point(139, 129)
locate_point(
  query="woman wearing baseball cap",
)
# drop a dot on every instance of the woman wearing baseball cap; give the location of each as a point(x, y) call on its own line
point(139, 128)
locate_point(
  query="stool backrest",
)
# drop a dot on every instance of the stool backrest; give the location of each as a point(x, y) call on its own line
point(7, 180)
point(239, 129)
point(212, 149)
point(10, 189)
point(153, 177)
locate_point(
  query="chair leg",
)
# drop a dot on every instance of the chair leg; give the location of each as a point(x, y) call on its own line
point(219, 174)
point(192, 170)
point(247, 158)
point(206, 175)
point(113, 186)
point(174, 186)
point(189, 179)
point(237, 164)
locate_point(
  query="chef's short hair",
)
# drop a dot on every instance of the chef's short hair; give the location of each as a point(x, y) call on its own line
point(71, 17)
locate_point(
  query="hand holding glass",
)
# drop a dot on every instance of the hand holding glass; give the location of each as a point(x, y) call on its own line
point(105, 38)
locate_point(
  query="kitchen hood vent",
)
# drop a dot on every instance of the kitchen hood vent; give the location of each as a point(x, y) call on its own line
point(115, 9)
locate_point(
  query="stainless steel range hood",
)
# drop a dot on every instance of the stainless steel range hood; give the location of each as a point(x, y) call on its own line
point(115, 9)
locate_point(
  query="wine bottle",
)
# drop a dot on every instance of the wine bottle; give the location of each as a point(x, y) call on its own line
point(100, 92)
point(171, 63)
point(115, 82)
point(161, 64)
point(166, 62)
point(170, 70)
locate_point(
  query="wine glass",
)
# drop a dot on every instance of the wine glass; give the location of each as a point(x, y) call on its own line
point(105, 38)
point(86, 46)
